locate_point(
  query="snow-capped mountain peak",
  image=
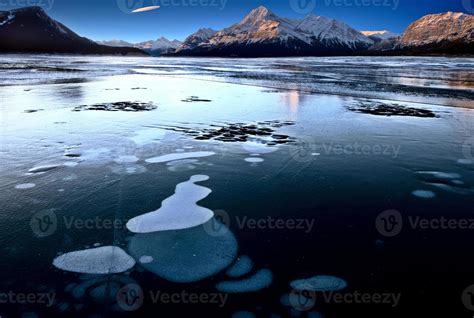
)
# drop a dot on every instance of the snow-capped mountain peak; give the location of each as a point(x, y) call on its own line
point(380, 35)
point(330, 30)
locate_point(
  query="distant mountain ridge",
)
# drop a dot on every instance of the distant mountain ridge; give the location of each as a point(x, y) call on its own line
point(263, 33)
point(30, 29)
point(377, 36)
point(155, 47)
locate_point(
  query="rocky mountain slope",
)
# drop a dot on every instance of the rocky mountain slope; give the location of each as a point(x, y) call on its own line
point(30, 29)
point(263, 33)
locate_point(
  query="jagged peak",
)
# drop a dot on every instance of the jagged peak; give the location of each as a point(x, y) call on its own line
point(257, 15)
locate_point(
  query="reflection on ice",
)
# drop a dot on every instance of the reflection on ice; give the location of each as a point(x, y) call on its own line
point(186, 256)
point(179, 211)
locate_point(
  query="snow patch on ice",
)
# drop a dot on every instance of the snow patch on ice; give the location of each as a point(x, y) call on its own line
point(180, 156)
point(424, 194)
point(101, 260)
point(179, 211)
point(25, 186)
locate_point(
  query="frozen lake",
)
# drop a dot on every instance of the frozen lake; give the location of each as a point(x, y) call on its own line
point(233, 178)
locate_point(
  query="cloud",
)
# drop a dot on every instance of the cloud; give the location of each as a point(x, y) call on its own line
point(145, 9)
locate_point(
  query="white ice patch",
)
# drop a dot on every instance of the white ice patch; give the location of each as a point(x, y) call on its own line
point(101, 260)
point(257, 148)
point(70, 164)
point(262, 279)
point(25, 186)
point(180, 211)
point(180, 156)
point(98, 154)
point(126, 159)
point(146, 259)
point(319, 283)
point(254, 160)
point(147, 136)
point(41, 169)
point(188, 255)
point(242, 267)
point(440, 175)
point(424, 194)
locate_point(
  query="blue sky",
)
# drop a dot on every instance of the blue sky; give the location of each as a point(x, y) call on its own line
point(108, 19)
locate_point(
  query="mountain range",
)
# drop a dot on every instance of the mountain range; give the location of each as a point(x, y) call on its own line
point(154, 47)
point(261, 33)
point(30, 29)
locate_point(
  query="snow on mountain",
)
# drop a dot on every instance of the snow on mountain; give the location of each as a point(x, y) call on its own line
point(30, 29)
point(159, 44)
point(380, 35)
point(196, 38)
point(116, 43)
point(263, 33)
point(438, 28)
point(333, 32)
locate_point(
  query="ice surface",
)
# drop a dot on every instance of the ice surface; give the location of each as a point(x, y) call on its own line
point(260, 280)
point(41, 169)
point(100, 260)
point(126, 159)
point(424, 194)
point(258, 148)
point(180, 156)
point(254, 160)
point(242, 266)
point(188, 255)
point(25, 186)
point(319, 283)
point(180, 211)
